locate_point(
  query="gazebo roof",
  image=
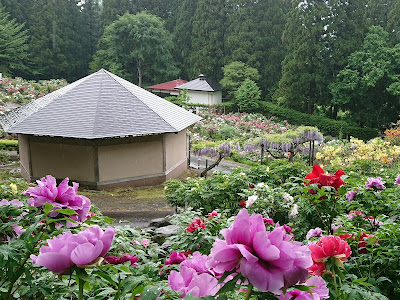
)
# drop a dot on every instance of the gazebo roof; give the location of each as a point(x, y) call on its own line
point(101, 105)
point(168, 86)
point(201, 84)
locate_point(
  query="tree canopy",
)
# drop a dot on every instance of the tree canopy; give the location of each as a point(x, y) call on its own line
point(13, 47)
point(137, 47)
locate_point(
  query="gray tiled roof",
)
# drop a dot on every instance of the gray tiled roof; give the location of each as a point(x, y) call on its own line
point(201, 84)
point(100, 105)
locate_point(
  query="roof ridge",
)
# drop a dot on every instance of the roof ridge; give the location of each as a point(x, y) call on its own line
point(97, 105)
point(140, 99)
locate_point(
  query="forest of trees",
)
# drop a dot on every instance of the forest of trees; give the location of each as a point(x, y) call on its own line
point(340, 58)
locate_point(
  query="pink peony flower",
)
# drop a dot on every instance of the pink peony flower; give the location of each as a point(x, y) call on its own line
point(197, 223)
point(17, 230)
point(313, 233)
point(89, 215)
point(397, 181)
point(376, 183)
point(83, 249)
point(115, 260)
point(269, 260)
point(318, 176)
point(213, 214)
point(145, 243)
point(329, 247)
point(188, 281)
point(351, 194)
point(63, 196)
point(175, 258)
point(319, 291)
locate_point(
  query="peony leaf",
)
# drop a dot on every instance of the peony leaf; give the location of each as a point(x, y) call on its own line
point(66, 211)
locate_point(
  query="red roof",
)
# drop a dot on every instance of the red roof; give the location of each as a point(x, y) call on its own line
point(168, 86)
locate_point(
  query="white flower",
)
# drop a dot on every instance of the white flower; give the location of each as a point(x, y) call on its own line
point(261, 185)
point(294, 211)
point(287, 197)
point(250, 200)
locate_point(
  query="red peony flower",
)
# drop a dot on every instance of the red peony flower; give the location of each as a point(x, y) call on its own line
point(318, 176)
point(328, 247)
point(197, 223)
point(242, 203)
point(362, 242)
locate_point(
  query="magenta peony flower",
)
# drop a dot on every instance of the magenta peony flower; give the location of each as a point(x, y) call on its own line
point(175, 258)
point(319, 291)
point(63, 196)
point(376, 183)
point(82, 249)
point(115, 260)
point(188, 281)
point(198, 262)
point(271, 261)
point(397, 181)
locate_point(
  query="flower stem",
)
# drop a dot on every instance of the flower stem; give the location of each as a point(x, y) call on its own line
point(334, 282)
point(249, 291)
point(81, 283)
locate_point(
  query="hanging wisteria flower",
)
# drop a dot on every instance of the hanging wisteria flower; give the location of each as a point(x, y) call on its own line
point(84, 249)
point(63, 196)
point(319, 290)
point(271, 261)
point(318, 176)
point(376, 183)
point(328, 247)
point(397, 181)
point(317, 232)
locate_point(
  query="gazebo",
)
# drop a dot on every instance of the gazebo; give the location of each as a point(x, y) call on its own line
point(103, 132)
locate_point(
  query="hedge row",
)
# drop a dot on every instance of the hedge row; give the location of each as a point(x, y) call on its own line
point(325, 125)
point(9, 145)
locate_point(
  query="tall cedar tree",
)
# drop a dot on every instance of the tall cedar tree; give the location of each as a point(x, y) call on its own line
point(138, 48)
point(20, 10)
point(393, 23)
point(112, 9)
point(182, 35)
point(57, 39)
point(319, 36)
point(208, 34)
point(254, 37)
point(13, 47)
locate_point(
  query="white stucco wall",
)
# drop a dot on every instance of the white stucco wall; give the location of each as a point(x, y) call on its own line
point(208, 98)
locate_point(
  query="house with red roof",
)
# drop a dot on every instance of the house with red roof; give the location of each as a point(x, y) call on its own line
point(167, 88)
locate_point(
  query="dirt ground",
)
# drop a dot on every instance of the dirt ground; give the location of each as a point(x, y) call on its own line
point(134, 206)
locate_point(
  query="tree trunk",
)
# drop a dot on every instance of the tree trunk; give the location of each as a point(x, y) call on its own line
point(140, 72)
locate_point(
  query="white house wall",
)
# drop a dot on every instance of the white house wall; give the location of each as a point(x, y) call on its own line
point(207, 98)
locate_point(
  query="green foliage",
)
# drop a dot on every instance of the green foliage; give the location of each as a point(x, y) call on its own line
point(248, 96)
point(10, 145)
point(326, 125)
point(138, 48)
point(369, 86)
point(13, 45)
point(235, 74)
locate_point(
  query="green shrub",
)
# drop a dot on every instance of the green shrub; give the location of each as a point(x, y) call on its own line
point(9, 145)
point(326, 125)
